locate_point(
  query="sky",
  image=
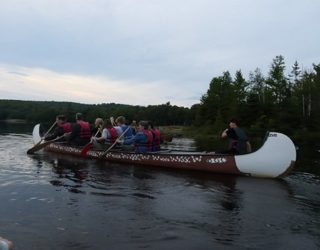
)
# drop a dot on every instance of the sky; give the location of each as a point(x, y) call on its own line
point(146, 52)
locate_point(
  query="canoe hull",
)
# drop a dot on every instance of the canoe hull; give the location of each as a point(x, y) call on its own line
point(196, 161)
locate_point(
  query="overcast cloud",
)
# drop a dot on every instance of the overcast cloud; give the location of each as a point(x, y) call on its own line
point(145, 52)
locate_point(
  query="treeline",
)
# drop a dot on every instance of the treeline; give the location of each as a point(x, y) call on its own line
point(287, 103)
point(46, 111)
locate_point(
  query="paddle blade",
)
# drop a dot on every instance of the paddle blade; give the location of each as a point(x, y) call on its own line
point(86, 148)
point(38, 147)
point(36, 137)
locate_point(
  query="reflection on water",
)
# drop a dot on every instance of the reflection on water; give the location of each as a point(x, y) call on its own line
point(18, 128)
point(183, 144)
point(50, 201)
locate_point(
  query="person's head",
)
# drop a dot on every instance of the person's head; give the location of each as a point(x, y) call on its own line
point(120, 120)
point(79, 116)
point(98, 122)
point(107, 123)
point(60, 119)
point(233, 123)
point(143, 125)
point(151, 125)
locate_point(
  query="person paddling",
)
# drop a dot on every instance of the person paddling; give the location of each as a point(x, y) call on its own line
point(143, 138)
point(109, 136)
point(62, 128)
point(98, 124)
point(126, 129)
point(156, 137)
point(80, 131)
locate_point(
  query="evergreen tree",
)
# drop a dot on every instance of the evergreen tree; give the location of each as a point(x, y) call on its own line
point(240, 87)
point(276, 81)
point(257, 85)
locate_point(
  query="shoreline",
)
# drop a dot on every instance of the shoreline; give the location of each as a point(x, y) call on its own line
point(13, 121)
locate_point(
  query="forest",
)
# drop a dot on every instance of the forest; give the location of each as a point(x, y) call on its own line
point(46, 111)
point(288, 103)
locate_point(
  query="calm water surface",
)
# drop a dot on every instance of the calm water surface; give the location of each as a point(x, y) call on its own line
point(53, 202)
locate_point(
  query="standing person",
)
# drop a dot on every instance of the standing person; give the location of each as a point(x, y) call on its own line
point(80, 131)
point(62, 128)
point(239, 143)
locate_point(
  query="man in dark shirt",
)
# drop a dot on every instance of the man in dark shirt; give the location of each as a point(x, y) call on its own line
point(63, 127)
point(239, 143)
point(80, 132)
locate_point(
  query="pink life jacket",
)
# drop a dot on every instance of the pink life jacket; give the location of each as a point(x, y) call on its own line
point(156, 139)
point(149, 139)
point(113, 135)
point(85, 129)
point(66, 127)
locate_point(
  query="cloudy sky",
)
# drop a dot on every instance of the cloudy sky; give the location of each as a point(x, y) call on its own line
point(146, 52)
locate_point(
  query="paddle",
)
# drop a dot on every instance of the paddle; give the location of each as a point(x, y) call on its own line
point(36, 137)
point(89, 145)
point(42, 138)
point(49, 130)
point(37, 147)
point(105, 152)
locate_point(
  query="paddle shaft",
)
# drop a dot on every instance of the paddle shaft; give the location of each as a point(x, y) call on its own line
point(38, 147)
point(45, 134)
point(50, 129)
point(87, 147)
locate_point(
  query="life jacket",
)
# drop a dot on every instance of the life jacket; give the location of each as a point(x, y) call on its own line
point(149, 140)
point(156, 139)
point(144, 143)
point(113, 135)
point(66, 127)
point(128, 133)
point(84, 129)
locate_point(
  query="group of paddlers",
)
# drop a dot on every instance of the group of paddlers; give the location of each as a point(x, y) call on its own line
point(142, 137)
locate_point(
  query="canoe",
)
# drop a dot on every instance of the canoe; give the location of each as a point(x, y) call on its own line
point(275, 158)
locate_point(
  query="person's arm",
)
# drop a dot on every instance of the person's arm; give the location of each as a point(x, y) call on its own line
point(138, 138)
point(248, 146)
point(75, 131)
point(103, 137)
point(224, 133)
point(57, 132)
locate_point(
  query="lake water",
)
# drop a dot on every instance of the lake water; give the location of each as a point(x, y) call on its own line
point(53, 202)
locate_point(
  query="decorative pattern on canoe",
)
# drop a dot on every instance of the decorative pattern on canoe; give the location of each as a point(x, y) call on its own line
point(205, 162)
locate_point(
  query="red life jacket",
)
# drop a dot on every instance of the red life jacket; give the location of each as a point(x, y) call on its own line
point(113, 135)
point(85, 129)
point(66, 127)
point(149, 140)
point(156, 139)
point(156, 136)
